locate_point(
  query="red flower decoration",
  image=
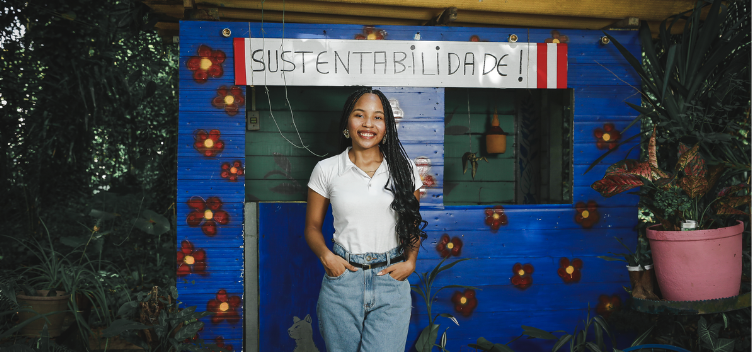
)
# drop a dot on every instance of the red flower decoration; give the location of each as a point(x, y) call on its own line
point(464, 302)
point(428, 181)
point(557, 38)
point(587, 215)
point(570, 272)
point(232, 171)
point(448, 248)
point(209, 143)
point(523, 275)
point(207, 64)
point(608, 136)
point(230, 99)
point(224, 307)
point(207, 214)
point(190, 260)
point(496, 218)
point(371, 33)
point(607, 305)
point(220, 342)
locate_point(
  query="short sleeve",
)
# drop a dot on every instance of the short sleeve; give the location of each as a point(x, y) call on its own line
point(416, 177)
point(319, 181)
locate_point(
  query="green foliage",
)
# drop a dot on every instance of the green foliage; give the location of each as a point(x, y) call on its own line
point(672, 200)
point(641, 256)
point(710, 339)
point(695, 92)
point(427, 338)
point(172, 326)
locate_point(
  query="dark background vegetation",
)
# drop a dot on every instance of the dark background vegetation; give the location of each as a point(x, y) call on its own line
point(88, 96)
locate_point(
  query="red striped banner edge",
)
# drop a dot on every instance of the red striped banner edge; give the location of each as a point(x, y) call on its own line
point(541, 65)
point(239, 50)
point(561, 65)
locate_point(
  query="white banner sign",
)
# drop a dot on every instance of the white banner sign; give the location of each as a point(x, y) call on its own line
point(329, 62)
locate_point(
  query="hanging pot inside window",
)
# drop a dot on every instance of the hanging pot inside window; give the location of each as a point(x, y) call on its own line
point(496, 138)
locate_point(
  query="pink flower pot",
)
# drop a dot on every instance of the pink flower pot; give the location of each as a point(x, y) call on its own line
point(697, 265)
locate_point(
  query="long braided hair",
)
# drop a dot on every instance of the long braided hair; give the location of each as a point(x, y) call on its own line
point(410, 223)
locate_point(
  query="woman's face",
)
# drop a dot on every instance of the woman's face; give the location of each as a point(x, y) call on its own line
point(367, 123)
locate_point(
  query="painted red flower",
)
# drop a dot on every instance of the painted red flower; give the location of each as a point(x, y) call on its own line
point(220, 342)
point(230, 99)
point(523, 275)
point(608, 136)
point(371, 33)
point(449, 247)
point(557, 38)
point(207, 64)
point(607, 305)
point(224, 307)
point(587, 214)
point(464, 302)
point(570, 271)
point(190, 260)
point(207, 214)
point(208, 143)
point(231, 171)
point(428, 181)
point(496, 218)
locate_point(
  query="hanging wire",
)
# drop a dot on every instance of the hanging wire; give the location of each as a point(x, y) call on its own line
point(469, 129)
point(266, 88)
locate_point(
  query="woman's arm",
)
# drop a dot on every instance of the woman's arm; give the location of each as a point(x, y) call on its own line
point(334, 265)
point(401, 271)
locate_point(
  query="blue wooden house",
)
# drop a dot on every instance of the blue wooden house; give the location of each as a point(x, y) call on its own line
point(528, 220)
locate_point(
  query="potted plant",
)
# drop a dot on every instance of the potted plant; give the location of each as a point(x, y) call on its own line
point(695, 93)
point(639, 266)
point(58, 285)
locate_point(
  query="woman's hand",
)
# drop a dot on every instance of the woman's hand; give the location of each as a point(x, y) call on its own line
point(335, 265)
point(399, 271)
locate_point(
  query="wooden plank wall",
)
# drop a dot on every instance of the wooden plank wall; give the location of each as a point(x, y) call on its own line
point(213, 278)
point(536, 234)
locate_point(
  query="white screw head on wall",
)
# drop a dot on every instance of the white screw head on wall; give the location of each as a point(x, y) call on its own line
point(605, 40)
point(513, 38)
point(226, 32)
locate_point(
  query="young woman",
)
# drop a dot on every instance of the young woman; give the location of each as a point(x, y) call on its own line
point(364, 303)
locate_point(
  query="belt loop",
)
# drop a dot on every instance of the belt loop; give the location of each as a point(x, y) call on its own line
point(388, 259)
point(347, 256)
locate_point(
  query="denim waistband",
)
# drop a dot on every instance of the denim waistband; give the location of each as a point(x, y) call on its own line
point(366, 258)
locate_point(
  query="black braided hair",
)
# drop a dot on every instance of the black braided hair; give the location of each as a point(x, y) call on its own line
point(410, 223)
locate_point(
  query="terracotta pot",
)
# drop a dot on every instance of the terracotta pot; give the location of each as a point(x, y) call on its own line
point(697, 265)
point(641, 279)
point(43, 305)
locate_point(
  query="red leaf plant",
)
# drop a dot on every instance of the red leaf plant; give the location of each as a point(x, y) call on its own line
point(190, 260)
point(587, 214)
point(523, 275)
point(220, 342)
point(449, 247)
point(231, 171)
point(608, 137)
point(688, 183)
point(207, 64)
point(495, 218)
point(557, 38)
point(224, 307)
point(570, 271)
point(371, 33)
point(207, 214)
point(230, 99)
point(464, 302)
point(208, 143)
point(607, 305)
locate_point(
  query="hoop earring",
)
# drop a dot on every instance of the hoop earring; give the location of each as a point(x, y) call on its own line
point(346, 133)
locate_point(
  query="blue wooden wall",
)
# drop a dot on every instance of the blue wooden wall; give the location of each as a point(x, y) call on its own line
point(539, 235)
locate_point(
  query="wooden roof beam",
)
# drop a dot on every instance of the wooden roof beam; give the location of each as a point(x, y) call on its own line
point(652, 10)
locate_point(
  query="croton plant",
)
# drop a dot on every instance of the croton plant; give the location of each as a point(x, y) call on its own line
point(689, 192)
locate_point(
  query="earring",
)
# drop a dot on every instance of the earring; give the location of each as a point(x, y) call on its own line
point(346, 133)
point(383, 140)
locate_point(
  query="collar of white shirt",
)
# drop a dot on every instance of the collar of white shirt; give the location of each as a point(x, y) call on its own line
point(345, 164)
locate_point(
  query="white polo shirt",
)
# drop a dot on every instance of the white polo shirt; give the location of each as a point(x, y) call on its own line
point(363, 218)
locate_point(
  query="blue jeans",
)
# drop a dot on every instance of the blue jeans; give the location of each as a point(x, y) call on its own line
point(360, 311)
